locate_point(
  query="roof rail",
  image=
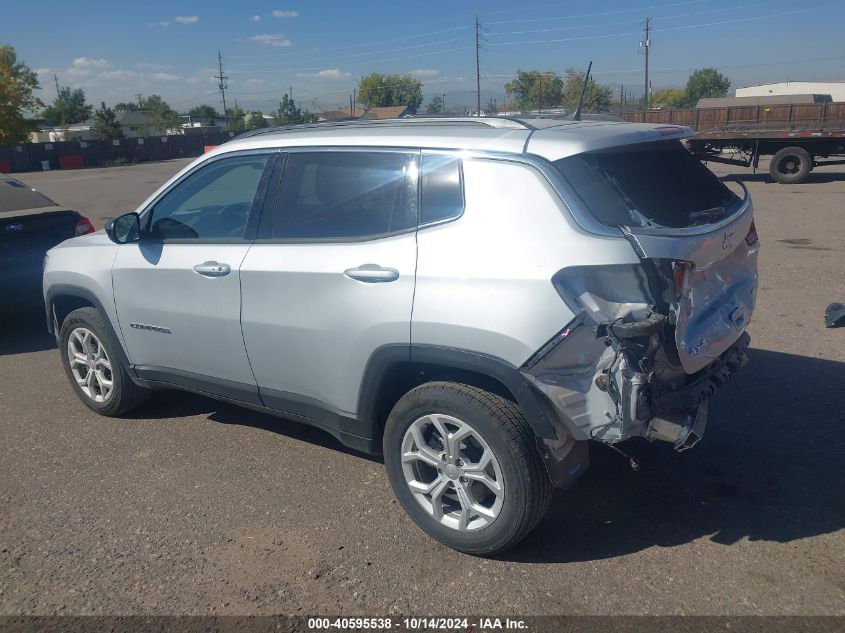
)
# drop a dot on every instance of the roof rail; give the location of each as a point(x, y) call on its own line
point(494, 122)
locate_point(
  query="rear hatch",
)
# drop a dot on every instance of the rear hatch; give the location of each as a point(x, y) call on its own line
point(694, 234)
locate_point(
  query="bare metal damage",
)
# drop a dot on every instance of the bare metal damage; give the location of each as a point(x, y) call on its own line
point(651, 342)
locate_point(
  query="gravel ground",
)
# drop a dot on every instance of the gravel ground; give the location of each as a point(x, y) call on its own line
point(195, 507)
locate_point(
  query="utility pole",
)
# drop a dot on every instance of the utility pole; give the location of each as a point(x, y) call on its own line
point(140, 102)
point(354, 102)
point(56, 79)
point(621, 98)
point(351, 110)
point(290, 92)
point(222, 85)
point(646, 44)
point(477, 67)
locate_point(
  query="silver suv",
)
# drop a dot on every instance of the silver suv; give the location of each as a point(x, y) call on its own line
point(473, 298)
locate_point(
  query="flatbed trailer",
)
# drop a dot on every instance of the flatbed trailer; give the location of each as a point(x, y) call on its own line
point(794, 152)
point(798, 137)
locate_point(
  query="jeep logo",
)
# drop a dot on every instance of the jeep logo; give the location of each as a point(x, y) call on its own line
point(15, 227)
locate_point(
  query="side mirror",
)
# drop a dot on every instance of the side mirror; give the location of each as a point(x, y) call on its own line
point(124, 229)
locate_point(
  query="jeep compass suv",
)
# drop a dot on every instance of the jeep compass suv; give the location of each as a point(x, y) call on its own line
point(474, 298)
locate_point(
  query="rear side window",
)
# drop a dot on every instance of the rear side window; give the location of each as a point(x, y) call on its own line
point(442, 195)
point(648, 184)
point(327, 195)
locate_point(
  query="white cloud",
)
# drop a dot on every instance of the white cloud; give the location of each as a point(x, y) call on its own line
point(424, 72)
point(164, 23)
point(87, 63)
point(279, 13)
point(256, 18)
point(331, 73)
point(118, 75)
point(162, 77)
point(203, 75)
point(255, 83)
point(271, 39)
point(186, 19)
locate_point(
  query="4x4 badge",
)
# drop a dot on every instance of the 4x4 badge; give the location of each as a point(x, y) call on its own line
point(727, 241)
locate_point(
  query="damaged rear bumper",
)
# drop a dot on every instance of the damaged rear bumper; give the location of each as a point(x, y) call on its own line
point(605, 387)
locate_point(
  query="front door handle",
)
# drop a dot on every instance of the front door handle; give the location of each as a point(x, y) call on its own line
point(213, 269)
point(372, 273)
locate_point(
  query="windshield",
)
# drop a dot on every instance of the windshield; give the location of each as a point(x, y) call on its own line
point(648, 184)
point(16, 196)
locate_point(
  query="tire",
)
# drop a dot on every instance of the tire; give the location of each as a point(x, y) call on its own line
point(484, 422)
point(790, 165)
point(84, 335)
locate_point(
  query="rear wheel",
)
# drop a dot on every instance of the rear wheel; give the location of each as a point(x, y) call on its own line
point(790, 165)
point(93, 367)
point(464, 464)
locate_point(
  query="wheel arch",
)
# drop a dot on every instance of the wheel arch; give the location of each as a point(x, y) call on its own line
point(62, 299)
point(394, 370)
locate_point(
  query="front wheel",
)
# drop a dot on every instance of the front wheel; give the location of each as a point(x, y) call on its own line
point(464, 464)
point(90, 360)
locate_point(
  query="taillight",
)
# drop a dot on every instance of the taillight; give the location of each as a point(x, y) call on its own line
point(84, 226)
point(751, 238)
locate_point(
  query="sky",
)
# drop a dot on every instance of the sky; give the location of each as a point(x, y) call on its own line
point(318, 50)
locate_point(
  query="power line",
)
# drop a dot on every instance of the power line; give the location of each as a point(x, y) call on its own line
point(222, 86)
point(351, 46)
point(477, 67)
point(646, 44)
point(381, 52)
point(672, 28)
point(589, 15)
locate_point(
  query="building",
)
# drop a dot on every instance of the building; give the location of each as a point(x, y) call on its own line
point(394, 112)
point(133, 124)
point(836, 89)
point(727, 102)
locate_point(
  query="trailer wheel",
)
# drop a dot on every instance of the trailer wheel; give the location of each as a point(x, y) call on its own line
point(790, 165)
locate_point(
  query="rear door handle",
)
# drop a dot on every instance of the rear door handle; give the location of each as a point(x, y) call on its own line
point(372, 273)
point(213, 269)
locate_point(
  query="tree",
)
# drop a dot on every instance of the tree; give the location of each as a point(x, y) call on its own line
point(235, 119)
point(161, 115)
point(128, 106)
point(17, 81)
point(255, 120)
point(290, 114)
point(706, 82)
point(68, 107)
point(597, 97)
point(533, 90)
point(435, 106)
point(105, 123)
point(668, 98)
point(377, 90)
point(204, 113)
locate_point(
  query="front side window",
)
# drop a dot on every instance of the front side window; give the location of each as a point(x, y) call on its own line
point(211, 203)
point(336, 195)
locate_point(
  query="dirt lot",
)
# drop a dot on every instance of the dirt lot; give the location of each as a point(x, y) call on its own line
point(194, 507)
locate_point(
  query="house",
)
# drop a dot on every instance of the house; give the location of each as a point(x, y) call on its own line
point(341, 114)
point(133, 124)
point(393, 112)
point(836, 89)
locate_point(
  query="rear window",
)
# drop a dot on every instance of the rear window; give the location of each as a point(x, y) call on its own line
point(648, 184)
point(16, 196)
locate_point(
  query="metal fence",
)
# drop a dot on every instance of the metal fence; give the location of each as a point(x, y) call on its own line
point(76, 154)
point(787, 116)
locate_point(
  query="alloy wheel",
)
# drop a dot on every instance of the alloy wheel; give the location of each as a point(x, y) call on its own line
point(90, 364)
point(452, 472)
